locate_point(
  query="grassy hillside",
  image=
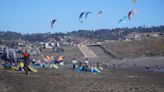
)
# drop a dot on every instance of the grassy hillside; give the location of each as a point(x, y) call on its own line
point(148, 47)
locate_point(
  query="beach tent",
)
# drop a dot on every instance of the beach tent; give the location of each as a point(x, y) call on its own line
point(49, 58)
point(61, 58)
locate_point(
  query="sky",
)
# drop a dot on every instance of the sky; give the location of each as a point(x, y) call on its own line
point(35, 16)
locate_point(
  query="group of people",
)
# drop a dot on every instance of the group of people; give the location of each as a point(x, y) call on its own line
point(47, 61)
point(85, 66)
point(9, 56)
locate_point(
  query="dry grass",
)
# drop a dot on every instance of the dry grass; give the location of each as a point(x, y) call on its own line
point(148, 47)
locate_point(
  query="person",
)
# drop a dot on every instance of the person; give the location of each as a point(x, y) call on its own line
point(13, 57)
point(26, 57)
point(80, 63)
point(86, 61)
point(74, 61)
point(147, 67)
point(6, 56)
point(86, 64)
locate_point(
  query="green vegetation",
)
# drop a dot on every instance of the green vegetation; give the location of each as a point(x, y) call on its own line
point(101, 34)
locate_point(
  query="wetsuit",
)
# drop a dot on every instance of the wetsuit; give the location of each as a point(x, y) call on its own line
point(26, 61)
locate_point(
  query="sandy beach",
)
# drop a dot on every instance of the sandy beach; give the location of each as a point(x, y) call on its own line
point(124, 77)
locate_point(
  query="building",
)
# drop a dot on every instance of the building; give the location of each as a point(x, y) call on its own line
point(139, 36)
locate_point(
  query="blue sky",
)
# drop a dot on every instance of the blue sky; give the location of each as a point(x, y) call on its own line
point(35, 16)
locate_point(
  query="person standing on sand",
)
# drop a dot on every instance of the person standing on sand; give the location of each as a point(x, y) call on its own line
point(86, 61)
point(86, 64)
point(6, 55)
point(97, 64)
point(74, 61)
point(26, 57)
point(80, 63)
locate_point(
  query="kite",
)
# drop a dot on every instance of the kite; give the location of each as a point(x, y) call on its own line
point(99, 13)
point(81, 16)
point(86, 15)
point(131, 13)
point(52, 23)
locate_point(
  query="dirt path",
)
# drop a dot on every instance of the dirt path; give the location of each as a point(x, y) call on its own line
point(88, 53)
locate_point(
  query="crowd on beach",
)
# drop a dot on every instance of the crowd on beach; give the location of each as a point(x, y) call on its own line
point(87, 66)
point(10, 58)
point(24, 58)
point(15, 57)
